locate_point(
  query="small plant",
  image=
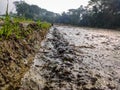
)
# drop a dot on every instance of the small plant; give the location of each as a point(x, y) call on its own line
point(39, 23)
point(11, 27)
point(44, 25)
point(6, 29)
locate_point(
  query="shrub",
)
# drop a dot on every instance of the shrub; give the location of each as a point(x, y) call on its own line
point(45, 25)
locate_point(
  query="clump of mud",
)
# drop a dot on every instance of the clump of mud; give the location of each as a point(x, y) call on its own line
point(16, 56)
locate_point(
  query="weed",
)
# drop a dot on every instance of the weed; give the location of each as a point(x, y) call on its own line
point(43, 25)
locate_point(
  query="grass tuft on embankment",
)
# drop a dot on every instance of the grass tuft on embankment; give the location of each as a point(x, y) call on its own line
point(18, 27)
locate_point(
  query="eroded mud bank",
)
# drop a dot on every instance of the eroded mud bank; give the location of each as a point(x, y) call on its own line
point(16, 56)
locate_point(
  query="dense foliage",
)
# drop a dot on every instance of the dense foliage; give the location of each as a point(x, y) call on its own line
point(98, 13)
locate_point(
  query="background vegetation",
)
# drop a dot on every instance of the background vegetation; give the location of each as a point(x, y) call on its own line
point(98, 13)
point(34, 12)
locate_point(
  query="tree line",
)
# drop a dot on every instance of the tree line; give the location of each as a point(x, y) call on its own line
point(34, 12)
point(98, 13)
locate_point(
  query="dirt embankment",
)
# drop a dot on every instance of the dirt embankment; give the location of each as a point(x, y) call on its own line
point(16, 56)
point(76, 59)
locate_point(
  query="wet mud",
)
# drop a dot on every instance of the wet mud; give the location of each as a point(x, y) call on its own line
point(74, 58)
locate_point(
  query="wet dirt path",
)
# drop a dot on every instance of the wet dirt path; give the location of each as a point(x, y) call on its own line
point(72, 58)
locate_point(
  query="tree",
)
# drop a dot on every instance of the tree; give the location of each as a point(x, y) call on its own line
point(34, 12)
point(106, 13)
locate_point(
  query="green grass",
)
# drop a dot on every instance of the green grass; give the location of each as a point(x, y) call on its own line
point(43, 25)
point(22, 19)
point(9, 28)
point(6, 28)
point(13, 27)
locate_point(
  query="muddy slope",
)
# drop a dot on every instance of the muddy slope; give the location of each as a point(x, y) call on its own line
point(16, 56)
point(76, 59)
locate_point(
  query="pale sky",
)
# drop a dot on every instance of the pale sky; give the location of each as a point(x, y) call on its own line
point(3, 5)
point(57, 6)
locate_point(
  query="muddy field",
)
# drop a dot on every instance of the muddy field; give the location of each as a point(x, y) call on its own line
point(73, 58)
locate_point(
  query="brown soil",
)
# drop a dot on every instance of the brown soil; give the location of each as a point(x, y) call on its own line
point(16, 56)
